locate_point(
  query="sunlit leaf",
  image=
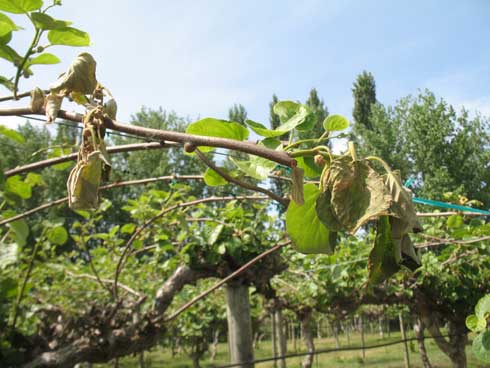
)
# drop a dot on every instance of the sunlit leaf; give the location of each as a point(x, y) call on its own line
point(9, 254)
point(45, 58)
point(214, 235)
point(57, 235)
point(128, 228)
point(481, 347)
point(11, 134)
point(21, 231)
point(309, 235)
point(335, 123)
point(482, 308)
point(15, 185)
point(46, 22)
point(263, 131)
point(69, 37)
point(20, 6)
point(212, 178)
point(476, 324)
point(210, 127)
point(6, 25)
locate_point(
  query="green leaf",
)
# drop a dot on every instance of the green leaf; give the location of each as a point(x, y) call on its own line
point(307, 163)
point(16, 186)
point(213, 237)
point(57, 235)
point(286, 109)
point(482, 309)
point(8, 288)
point(46, 22)
point(383, 258)
point(476, 324)
point(455, 221)
point(263, 131)
point(258, 167)
point(308, 234)
point(296, 120)
point(213, 179)
point(69, 37)
point(45, 58)
point(21, 231)
point(210, 127)
point(34, 179)
point(481, 347)
point(334, 123)
point(7, 83)
point(11, 134)
point(20, 6)
point(9, 54)
point(128, 228)
point(9, 254)
point(59, 152)
point(6, 25)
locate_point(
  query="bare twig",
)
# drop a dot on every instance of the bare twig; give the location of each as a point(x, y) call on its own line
point(164, 212)
point(71, 157)
point(106, 281)
point(105, 187)
point(206, 219)
point(458, 256)
point(231, 179)
point(221, 282)
point(92, 266)
point(442, 241)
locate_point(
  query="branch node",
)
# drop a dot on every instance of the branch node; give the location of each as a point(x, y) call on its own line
point(189, 147)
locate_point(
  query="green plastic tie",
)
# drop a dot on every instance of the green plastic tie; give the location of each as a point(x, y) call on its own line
point(430, 202)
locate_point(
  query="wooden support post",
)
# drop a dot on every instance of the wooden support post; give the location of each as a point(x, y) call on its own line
point(363, 342)
point(240, 337)
point(281, 338)
point(405, 344)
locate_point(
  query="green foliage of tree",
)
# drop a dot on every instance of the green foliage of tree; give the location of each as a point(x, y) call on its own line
point(364, 92)
point(237, 113)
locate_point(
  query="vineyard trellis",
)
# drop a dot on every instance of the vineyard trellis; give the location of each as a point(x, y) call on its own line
point(321, 217)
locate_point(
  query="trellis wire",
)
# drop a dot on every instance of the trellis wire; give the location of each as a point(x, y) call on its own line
point(325, 351)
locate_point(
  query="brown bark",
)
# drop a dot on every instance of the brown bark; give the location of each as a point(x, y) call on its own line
point(419, 328)
point(305, 317)
point(116, 341)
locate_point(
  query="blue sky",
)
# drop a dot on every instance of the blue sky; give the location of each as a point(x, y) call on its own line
point(198, 58)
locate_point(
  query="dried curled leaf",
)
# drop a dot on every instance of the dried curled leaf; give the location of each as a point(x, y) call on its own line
point(357, 194)
point(83, 183)
point(37, 99)
point(93, 164)
point(110, 108)
point(297, 191)
point(53, 106)
point(80, 77)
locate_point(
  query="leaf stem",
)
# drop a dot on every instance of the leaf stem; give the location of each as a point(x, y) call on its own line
point(24, 284)
point(29, 52)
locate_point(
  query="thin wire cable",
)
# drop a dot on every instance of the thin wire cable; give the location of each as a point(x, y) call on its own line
point(325, 351)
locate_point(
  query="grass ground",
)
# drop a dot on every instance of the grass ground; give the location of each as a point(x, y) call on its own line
point(389, 357)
